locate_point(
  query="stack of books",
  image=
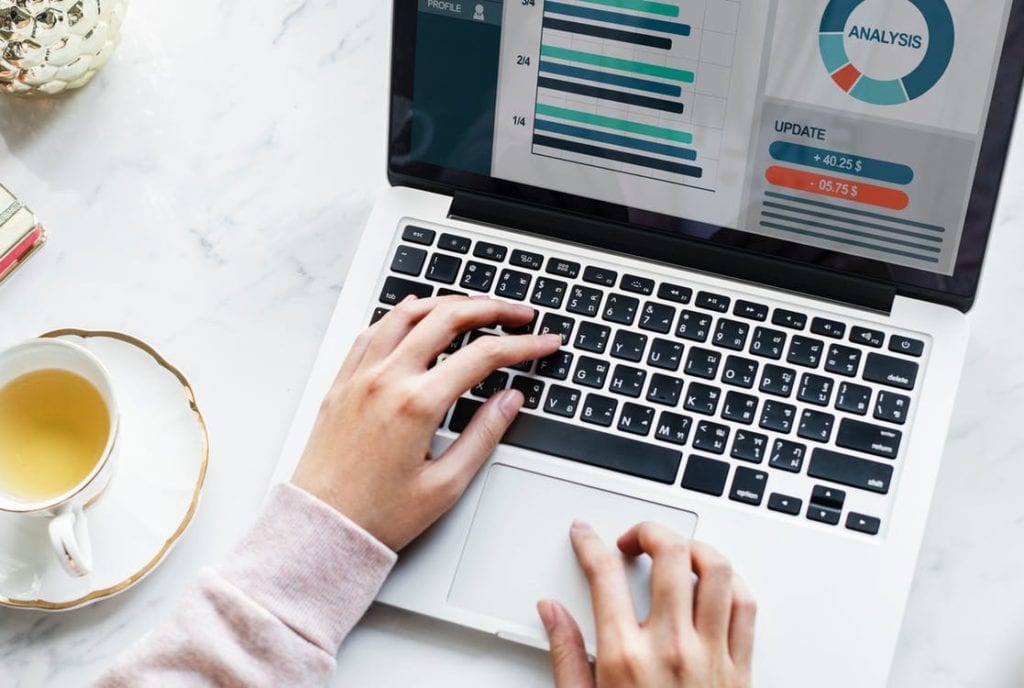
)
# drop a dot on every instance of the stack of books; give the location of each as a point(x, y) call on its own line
point(21, 235)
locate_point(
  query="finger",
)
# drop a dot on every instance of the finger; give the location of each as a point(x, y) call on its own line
point(568, 656)
point(473, 363)
point(399, 322)
point(741, 625)
point(713, 593)
point(671, 572)
point(357, 353)
point(437, 330)
point(469, 452)
point(614, 614)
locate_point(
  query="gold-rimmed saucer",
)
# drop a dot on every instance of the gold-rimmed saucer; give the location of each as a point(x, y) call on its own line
point(163, 455)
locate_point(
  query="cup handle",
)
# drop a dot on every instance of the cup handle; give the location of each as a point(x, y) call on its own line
point(69, 535)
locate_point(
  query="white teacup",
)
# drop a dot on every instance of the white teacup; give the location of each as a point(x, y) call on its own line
point(68, 528)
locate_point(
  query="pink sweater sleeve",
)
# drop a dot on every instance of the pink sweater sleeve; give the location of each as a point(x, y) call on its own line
point(275, 613)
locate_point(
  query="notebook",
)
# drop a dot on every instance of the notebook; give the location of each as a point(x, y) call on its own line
point(21, 235)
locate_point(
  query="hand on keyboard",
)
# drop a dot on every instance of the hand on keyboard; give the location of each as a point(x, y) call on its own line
point(366, 456)
point(697, 635)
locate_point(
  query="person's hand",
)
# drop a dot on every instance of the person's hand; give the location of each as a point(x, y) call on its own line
point(369, 453)
point(696, 636)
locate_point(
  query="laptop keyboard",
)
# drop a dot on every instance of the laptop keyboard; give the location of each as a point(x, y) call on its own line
point(764, 406)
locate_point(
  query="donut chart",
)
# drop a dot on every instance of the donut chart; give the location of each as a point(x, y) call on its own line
point(863, 87)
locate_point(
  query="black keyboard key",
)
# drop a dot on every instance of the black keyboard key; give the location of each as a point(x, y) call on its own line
point(378, 313)
point(750, 311)
point(816, 425)
point(828, 328)
point(552, 323)
point(637, 285)
point(665, 354)
point(740, 372)
point(657, 317)
point(906, 346)
point(636, 419)
point(843, 360)
point(749, 446)
point(628, 381)
point(591, 372)
point(713, 302)
point(768, 343)
point(442, 291)
point(397, 289)
point(705, 475)
point(489, 251)
point(778, 417)
point(600, 276)
point(450, 242)
point(563, 268)
point(854, 398)
point(701, 398)
point(806, 352)
point(851, 471)
point(784, 504)
point(788, 456)
point(703, 363)
point(872, 338)
point(513, 285)
point(443, 268)
point(673, 428)
point(562, 401)
point(591, 447)
point(527, 260)
point(823, 514)
point(740, 408)
point(868, 438)
point(409, 261)
point(694, 326)
point(894, 372)
point(599, 410)
point(664, 390)
point(621, 309)
point(455, 344)
point(731, 334)
point(490, 385)
point(528, 328)
point(778, 380)
point(892, 407)
point(593, 337)
point(548, 292)
point(532, 389)
point(418, 235)
point(816, 389)
point(556, 366)
point(789, 319)
point(675, 293)
point(585, 301)
point(711, 437)
point(829, 497)
point(478, 277)
point(869, 525)
point(629, 346)
point(748, 486)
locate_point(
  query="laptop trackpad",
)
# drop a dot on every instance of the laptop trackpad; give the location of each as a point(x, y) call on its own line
point(518, 550)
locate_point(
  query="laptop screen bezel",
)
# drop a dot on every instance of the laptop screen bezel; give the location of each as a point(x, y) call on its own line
point(958, 290)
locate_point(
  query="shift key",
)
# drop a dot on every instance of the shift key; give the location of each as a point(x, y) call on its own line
point(868, 438)
point(850, 470)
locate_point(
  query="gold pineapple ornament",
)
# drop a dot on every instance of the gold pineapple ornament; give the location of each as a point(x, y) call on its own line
point(49, 46)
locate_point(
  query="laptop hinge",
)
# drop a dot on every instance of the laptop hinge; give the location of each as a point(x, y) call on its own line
point(624, 238)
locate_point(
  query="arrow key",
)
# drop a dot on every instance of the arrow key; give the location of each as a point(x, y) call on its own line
point(869, 525)
point(784, 504)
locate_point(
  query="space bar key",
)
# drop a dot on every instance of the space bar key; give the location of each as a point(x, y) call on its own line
point(580, 444)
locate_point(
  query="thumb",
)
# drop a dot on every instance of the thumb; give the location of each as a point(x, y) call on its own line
point(481, 437)
point(568, 656)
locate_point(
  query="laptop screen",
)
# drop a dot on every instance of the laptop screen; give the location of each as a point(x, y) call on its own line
point(843, 133)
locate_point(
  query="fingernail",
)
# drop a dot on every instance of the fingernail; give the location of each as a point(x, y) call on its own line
point(552, 338)
point(410, 297)
point(511, 402)
point(581, 526)
point(546, 611)
point(479, 297)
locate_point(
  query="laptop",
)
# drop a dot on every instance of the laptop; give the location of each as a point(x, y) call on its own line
point(759, 228)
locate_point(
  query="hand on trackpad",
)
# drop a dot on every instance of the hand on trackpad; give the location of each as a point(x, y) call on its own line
point(518, 550)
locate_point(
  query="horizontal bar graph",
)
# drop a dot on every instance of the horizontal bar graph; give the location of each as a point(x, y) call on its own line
point(855, 211)
point(619, 156)
point(849, 242)
point(616, 140)
point(659, 87)
point(850, 221)
point(615, 123)
point(607, 33)
point(610, 94)
point(833, 227)
point(607, 62)
point(659, 8)
point(630, 20)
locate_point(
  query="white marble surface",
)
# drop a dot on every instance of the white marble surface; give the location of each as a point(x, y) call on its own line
point(206, 192)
